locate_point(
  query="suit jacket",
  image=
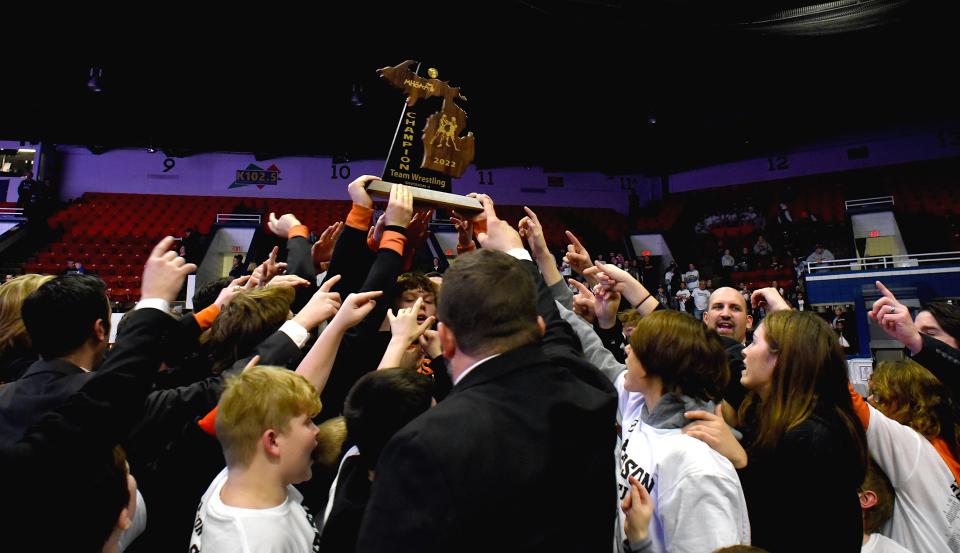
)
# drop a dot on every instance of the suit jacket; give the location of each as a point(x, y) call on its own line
point(519, 457)
point(46, 384)
point(66, 454)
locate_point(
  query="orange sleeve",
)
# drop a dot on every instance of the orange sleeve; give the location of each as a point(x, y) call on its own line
point(206, 316)
point(298, 230)
point(860, 406)
point(359, 217)
point(207, 422)
point(393, 240)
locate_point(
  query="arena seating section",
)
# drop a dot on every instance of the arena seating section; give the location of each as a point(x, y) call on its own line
point(111, 234)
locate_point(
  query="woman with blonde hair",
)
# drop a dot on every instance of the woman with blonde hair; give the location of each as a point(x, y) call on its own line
point(913, 435)
point(16, 350)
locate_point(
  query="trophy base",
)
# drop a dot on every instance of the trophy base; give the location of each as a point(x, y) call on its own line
point(427, 196)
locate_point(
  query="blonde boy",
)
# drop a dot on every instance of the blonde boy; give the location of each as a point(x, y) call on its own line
point(264, 424)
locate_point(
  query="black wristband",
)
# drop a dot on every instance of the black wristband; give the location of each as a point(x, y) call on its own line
point(396, 228)
point(649, 295)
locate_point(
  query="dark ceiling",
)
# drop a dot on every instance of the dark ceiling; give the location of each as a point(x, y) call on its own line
point(616, 86)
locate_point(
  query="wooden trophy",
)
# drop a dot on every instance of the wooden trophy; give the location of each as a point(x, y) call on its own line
point(442, 151)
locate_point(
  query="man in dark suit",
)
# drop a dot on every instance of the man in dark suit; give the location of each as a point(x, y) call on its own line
point(68, 319)
point(67, 457)
point(518, 457)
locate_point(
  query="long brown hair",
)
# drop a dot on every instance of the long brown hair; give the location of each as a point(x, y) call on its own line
point(908, 393)
point(810, 372)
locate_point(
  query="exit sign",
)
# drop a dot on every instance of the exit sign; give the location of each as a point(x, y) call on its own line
point(874, 233)
point(236, 249)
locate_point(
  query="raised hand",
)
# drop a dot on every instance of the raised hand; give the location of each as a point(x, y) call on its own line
point(281, 227)
point(605, 303)
point(323, 305)
point(225, 295)
point(531, 230)
point(400, 207)
point(770, 299)
point(164, 272)
point(578, 258)
point(417, 231)
point(611, 278)
point(358, 191)
point(464, 226)
point(895, 319)
point(322, 249)
point(403, 324)
point(292, 281)
point(355, 309)
point(499, 235)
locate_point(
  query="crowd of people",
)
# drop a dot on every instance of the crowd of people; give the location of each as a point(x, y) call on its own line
point(337, 401)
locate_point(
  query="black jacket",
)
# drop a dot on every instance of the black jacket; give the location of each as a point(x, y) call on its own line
point(58, 462)
point(518, 457)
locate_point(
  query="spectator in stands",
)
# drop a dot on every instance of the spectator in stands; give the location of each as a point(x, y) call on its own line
point(236, 271)
point(16, 349)
point(783, 215)
point(192, 244)
point(691, 277)
point(701, 301)
point(669, 277)
point(683, 298)
point(727, 261)
point(662, 297)
point(28, 191)
point(777, 287)
point(762, 248)
point(648, 271)
point(877, 502)
point(744, 260)
point(820, 254)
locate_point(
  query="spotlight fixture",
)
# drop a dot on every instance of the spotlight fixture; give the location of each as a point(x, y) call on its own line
point(357, 97)
point(94, 84)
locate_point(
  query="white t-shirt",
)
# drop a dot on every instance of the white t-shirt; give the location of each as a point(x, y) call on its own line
point(286, 528)
point(701, 298)
point(692, 278)
point(926, 514)
point(882, 544)
point(699, 501)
